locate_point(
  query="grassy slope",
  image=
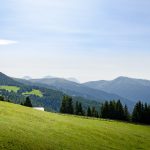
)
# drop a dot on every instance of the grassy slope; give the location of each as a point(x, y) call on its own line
point(28, 129)
point(15, 89)
point(10, 88)
point(34, 92)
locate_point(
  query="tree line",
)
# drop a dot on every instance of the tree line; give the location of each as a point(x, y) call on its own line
point(114, 110)
point(27, 102)
point(141, 113)
point(109, 110)
point(67, 107)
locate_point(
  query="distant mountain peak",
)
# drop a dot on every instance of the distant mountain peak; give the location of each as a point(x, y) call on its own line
point(130, 78)
point(121, 78)
point(131, 88)
point(48, 77)
point(27, 78)
point(73, 80)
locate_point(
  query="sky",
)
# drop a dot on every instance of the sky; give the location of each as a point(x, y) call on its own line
point(85, 39)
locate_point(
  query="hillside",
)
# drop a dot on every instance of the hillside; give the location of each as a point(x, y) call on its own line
point(5, 80)
point(130, 88)
point(42, 96)
point(76, 89)
point(32, 129)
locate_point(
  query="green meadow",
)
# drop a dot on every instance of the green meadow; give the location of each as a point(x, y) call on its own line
point(15, 89)
point(10, 88)
point(23, 128)
point(34, 92)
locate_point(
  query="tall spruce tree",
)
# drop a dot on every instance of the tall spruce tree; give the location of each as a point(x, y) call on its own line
point(112, 112)
point(63, 105)
point(119, 111)
point(135, 114)
point(89, 113)
point(126, 113)
point(67, 105)
point(80, 109)
point(70, 109)
point(28, 102)
point(148, 115)
point(77, 108)
point(105, 110)
point(94, 112)
point(138, 111)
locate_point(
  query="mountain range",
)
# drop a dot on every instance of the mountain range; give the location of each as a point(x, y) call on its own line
point(128, 90)
point(50, 77)
point(76, 89)
point(16, 90)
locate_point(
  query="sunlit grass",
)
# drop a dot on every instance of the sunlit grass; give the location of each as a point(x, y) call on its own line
point(34, 92)
point(25, 128)
point(10, 88)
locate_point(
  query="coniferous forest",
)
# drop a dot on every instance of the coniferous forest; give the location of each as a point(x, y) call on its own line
point(109, 110)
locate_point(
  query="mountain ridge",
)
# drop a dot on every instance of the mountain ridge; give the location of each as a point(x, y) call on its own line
point(131, 88)
point(50, 100)
point(70, 87)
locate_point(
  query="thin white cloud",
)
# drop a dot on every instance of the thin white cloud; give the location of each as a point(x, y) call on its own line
point(7, 42)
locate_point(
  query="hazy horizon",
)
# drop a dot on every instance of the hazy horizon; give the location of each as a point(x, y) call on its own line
point(71, 78)
point(89, 40)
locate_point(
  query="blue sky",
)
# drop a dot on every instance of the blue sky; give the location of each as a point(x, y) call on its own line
point(88, 39)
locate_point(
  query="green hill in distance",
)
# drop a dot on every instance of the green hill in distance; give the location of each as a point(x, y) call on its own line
point(50, 99)
point(27, 129)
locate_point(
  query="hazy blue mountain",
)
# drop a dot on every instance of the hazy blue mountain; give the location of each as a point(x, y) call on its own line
point(130, 88)
point(54, 88)
point(76, 89)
